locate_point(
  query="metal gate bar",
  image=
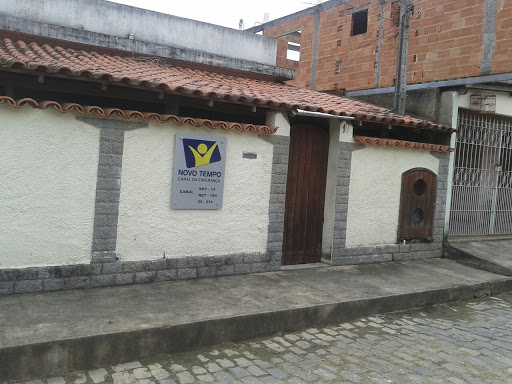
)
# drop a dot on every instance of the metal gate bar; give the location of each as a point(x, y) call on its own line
point(503, 224)
point(482, 182)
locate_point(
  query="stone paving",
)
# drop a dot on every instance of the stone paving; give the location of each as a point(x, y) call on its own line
point(467, 342)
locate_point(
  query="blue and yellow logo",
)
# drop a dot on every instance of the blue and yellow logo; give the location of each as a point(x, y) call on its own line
point(200, 152)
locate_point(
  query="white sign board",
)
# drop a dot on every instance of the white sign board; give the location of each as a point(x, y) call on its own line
point(198, 177)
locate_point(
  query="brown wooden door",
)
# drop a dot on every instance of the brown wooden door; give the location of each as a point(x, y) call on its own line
point(305, 195)
point(417, 204)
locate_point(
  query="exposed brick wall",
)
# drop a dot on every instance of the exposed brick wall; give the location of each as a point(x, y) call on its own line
point(445, 43)
point(307, 26)
point(282, 51)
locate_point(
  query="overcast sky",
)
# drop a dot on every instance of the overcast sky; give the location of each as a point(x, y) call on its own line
point(224, 12)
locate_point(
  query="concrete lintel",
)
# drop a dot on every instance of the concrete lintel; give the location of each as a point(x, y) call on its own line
point(436, 84)
point(140, 48)
point(491, 87)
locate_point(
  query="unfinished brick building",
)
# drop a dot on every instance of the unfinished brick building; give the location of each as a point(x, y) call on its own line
point(352, 45)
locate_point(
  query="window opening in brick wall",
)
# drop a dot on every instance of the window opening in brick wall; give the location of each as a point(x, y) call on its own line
point(337, 67)
point(359, 22)
point(293, 52)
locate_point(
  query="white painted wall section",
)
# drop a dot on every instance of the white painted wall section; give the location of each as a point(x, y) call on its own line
point(374, 193)
point(159, 28)
point(346, 132)
point(503, 101)
point(280, 120)
point(148, 228)
point(48, 171)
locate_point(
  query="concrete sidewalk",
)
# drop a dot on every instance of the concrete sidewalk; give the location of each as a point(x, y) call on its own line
point(489, 255)
point(54, 333)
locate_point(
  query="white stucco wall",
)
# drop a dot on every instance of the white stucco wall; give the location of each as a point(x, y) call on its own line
point(120, 20)
point(148, 227)
point(48, 170)
point(503, 101)
point(280, 120)
point(374, 197)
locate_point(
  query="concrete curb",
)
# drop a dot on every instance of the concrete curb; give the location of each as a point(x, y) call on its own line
point(63, 356)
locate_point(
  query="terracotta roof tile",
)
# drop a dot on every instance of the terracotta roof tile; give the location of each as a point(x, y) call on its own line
point(402, 144)
point(143, 116)
point(56, 60)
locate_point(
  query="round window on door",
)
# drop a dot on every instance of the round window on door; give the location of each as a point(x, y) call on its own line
point(417, 216)
point(420, 187)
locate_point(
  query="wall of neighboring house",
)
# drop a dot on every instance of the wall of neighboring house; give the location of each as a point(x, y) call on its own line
point(121, 21)
point(448, 40)
point(149, 229)
point(48, 172)
point(375, 187)
point(503, 100)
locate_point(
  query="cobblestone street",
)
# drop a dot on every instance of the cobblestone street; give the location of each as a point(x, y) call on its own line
point(462, 343)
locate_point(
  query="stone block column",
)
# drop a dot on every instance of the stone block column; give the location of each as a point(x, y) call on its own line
point(108, 185)
point(281, 141)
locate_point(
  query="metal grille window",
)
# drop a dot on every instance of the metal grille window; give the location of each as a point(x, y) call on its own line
point(482, 184)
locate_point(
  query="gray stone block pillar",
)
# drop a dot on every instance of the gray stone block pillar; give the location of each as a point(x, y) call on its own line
point(342, 193)
point(108, 185)
point(278, 200)
point(442, 195)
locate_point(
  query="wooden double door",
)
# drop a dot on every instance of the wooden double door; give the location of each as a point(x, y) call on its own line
point(305, 195)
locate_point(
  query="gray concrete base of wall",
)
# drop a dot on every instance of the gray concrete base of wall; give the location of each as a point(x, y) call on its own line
point(81, 330)
point(96, 275)
point(116, 273)
point(387, 253)
point(67, 277)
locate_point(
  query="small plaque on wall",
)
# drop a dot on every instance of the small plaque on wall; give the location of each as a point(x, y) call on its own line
point(198, 176)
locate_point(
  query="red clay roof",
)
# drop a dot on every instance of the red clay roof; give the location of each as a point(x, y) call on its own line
point(73, 63)
point(126, 114)
point(402, 144)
